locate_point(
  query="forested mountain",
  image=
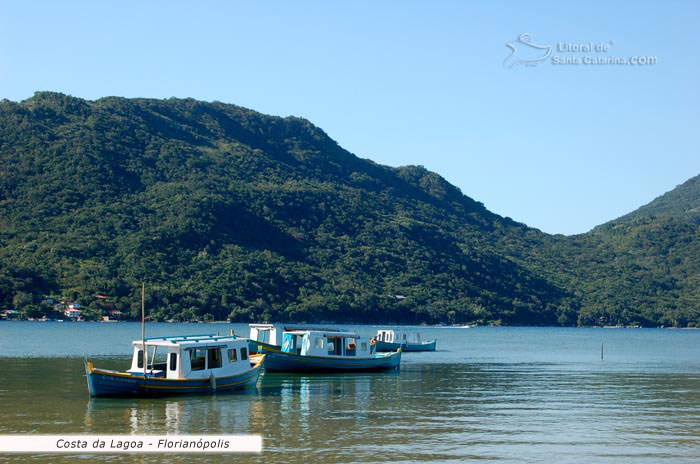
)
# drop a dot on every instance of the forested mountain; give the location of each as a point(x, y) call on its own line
point(647, 262)
point(682, 201)
point(226, 212)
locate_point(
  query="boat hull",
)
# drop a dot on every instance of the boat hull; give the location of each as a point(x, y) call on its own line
point(387, 346)
point(278, 361)
point(111, 383)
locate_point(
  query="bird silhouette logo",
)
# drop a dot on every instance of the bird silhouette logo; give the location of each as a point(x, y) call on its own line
point(524, 52)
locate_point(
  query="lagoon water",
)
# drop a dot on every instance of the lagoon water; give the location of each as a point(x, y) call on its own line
point(508, 394)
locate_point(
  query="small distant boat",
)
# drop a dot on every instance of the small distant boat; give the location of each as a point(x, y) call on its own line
point(180, 364)
point(391, 340)
point(327, 351)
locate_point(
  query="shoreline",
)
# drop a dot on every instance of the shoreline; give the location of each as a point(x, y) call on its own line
point(377, 324)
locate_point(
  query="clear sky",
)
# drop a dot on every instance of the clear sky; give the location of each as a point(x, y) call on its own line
point(560, 147)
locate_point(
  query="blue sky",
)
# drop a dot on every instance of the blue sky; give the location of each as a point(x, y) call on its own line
point(559, 147)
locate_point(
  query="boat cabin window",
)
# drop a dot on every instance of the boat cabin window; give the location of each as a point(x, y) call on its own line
point(264, 335)
point(198, 358)
point(158, 359)
point(363, 346)
point(403, 336)
point(350, 347)
point(292, 343)
point(288, 343)
point(232, 355)
point(214, 358)
point(139, 358)
point(173, 361)
point(319, 343)
point(244, 354)
point(335, 346)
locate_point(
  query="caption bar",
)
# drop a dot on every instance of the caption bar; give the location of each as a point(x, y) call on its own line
point(205, 444)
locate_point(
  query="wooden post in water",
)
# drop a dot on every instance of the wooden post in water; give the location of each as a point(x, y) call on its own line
point(601, 351)
point(143, 327)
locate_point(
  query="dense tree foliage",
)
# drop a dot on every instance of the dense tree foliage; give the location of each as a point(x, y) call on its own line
point(683, 201)
point(229, 213)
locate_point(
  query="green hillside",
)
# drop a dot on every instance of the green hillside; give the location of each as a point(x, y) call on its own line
point(683, 201)
point(648, 262)
point(229, 213)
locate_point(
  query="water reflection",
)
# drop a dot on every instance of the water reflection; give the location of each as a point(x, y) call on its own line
point(173, 416)
point(295, 410)
point(220, 413)
point(439, 408)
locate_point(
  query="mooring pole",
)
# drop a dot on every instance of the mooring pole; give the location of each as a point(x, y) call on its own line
point(143, 327)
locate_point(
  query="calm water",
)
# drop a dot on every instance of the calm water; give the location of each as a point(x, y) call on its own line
point(488, 395)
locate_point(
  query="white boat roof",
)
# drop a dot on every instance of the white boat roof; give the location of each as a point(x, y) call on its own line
point(397, 331)
point(292, 328)
point(187, 341)
point(297, 327)
point(325, 333)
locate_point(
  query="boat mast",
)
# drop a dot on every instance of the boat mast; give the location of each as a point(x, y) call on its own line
point(143, 327)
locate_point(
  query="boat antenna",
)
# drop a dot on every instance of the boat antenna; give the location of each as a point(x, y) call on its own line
point(143, 326)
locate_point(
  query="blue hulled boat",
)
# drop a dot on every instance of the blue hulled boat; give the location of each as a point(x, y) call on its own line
point(181, 364)
point(327, 351)
point(270, 335)
point(390, 340)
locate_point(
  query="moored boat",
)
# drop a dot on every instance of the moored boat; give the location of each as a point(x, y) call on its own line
point(179, 364)
point(271, 336)
point(262, 334)
point(327, 351)
point(391, 340)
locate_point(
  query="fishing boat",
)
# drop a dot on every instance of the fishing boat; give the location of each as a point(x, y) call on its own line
point(180, 364)
point(327, 351)
point(263, 334)
point(392, 340)
point(270, 336)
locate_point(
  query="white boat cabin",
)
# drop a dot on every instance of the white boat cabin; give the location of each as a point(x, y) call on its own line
point(191, 356)
point(325, 344)
point(264, 333)
point(397, 336)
